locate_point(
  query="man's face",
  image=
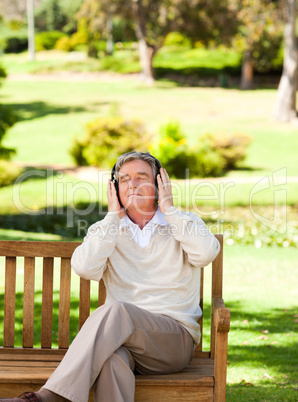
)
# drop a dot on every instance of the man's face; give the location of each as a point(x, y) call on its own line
point(137, 186)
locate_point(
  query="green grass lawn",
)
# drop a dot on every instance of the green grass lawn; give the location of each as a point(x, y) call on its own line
point(52, 113)
point(260, 289)
point(168, 58)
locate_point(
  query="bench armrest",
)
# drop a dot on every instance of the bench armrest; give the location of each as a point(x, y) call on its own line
point(221, 315)
point(220, 327)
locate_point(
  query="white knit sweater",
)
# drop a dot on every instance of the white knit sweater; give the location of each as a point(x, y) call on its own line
point(163, 277)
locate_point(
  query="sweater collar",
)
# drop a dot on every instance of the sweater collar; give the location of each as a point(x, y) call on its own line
point(158, 219)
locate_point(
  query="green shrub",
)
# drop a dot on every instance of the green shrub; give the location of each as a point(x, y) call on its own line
point(3, 74)
point(7, 119)
point(231, 147)
point(64, 44)
point(177, 39)
point(15, 44)
point(206, 162)
point(79, 38)
point(212, 156)
point(8, 173)
point(172, 150)
point(47, 40)
point(180, 161)
point(107, 138)
point(15, 25)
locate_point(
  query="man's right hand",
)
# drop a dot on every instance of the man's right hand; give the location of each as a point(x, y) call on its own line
point(113, 202)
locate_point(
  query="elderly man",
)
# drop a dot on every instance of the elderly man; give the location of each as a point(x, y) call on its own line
point(149, 255)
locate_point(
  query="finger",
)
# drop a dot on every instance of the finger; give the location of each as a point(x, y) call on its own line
point(109, 187)
point(159, 182)
point(165, 176)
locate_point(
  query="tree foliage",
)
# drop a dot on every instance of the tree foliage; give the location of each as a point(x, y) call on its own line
point(259, 36)
point(202, 20)
point(7, 119)
point(53, 15)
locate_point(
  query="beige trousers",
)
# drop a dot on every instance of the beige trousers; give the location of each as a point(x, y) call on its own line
point(115, 340)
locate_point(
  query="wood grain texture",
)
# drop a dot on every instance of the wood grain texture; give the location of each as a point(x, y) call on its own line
point(200, 345)
point(9, 302)
point(47, 302)
point(217, 271)
point(28, 302)
point(12, 248)
point(64, 304)
point(101, 293)
point(84, 309)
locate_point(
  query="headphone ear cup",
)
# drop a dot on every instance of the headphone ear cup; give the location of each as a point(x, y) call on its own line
point(156, 190)
point(116, 187)
point(113, 179)
point(158, 165)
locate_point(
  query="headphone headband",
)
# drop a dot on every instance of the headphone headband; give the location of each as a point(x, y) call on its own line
point(157, 162)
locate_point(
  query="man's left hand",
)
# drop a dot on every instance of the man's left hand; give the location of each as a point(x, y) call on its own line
point(165, 195)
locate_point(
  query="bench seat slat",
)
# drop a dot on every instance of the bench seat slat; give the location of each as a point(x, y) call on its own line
point(22, 375)
point(30, 358)
point(37, 364)
point(197, 372)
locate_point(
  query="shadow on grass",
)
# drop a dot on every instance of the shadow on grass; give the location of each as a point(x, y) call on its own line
point(34, 110)
point(66, 221)
point(31, 173)
point(73, 324)
point(264, 350)
point(261, 392)
point(250, 347)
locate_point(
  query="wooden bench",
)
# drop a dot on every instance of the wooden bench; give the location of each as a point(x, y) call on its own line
point(27, 367)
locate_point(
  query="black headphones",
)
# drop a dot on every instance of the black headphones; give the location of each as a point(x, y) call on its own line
point(158, 167)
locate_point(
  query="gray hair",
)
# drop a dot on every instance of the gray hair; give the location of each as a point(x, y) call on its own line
point(131, 156)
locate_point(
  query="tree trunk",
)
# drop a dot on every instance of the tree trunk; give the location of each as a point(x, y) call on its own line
point(146, 52)
point(247, 72)
point(146, 59)
point(110, 42)
point(31, 37)
point(285, 106)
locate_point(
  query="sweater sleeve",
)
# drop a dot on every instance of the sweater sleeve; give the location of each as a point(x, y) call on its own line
point(90, 258)
point(198, 243)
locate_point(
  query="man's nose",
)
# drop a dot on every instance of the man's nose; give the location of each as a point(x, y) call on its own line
point(133, 183)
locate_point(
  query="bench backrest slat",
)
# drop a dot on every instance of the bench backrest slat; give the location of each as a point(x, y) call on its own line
point(28, 302)
point(200, 345)
point(217, 271)
point(217, 283)
point(9, 301)
point(64, 303)
point(47, 302)
point(84, 309)
point(101, 293)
